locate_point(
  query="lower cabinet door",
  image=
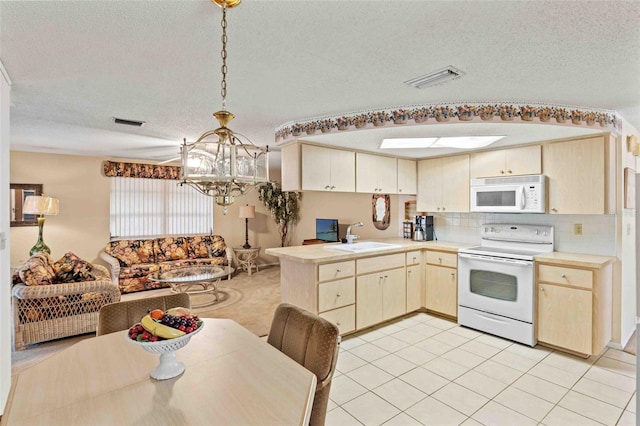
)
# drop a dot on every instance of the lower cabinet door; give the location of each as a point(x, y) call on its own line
point(414, 290)
point(344, 318)
point(441, 293)
point(369, 299)
point(394, 294)
point(565, 317)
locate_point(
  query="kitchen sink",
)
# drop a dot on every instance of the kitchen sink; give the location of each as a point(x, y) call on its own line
point(359, 247)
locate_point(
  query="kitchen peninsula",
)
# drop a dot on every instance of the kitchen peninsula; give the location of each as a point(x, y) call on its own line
point(390, 281)
point(359, 289)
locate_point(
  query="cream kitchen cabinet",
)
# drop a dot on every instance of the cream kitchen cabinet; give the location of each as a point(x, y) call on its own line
point(380, 289)
point(407, 176)
point(507, 162)
point(380, 296)
point(580, 179)
point(376, 174)
point(441, 283)
point(574, 306)
point(443, 184)
point(414, 281)
point(316, 168)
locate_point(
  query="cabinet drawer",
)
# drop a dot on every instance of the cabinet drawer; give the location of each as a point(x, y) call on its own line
point(332, 271)
point(344, 318)
point(334, 294)
point(380, 263)
point(414, 257)
point(564, 275)
point(442, 259)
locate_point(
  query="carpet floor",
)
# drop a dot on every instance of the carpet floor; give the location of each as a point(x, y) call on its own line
point(248, 300)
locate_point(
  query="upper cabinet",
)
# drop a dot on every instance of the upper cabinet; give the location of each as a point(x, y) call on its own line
point(443, 184)
point(506, 162)
point(315, 168)
point(580, 178)
point(407, 177)
point(376, 174)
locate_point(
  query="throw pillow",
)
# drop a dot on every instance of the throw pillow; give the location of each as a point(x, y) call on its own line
point(70, 268)
point(38, 270)
point(126, 251)
point(170, 248)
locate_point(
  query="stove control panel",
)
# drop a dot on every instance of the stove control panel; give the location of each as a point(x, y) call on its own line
point(517, 233)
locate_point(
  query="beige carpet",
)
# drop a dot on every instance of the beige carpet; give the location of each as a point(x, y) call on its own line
point(248, 300)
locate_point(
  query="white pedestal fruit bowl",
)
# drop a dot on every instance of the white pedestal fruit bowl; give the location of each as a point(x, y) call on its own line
point(169, 366)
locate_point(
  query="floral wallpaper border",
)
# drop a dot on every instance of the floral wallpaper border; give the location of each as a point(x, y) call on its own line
point(439, 113)
point(140, 170)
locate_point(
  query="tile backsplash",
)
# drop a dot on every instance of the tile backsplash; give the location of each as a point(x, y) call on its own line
point(598, 231)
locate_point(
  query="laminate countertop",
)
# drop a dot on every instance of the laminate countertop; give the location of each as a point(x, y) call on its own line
point(322, 253)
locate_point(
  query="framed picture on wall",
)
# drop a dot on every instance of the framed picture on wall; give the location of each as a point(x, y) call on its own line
point(629, 188)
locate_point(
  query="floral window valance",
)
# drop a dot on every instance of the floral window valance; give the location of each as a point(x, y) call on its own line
point(141, 171)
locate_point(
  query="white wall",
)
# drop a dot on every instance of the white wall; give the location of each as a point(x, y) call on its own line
point(5, 287)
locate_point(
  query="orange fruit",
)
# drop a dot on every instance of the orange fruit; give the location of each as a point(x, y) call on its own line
point(157, 314)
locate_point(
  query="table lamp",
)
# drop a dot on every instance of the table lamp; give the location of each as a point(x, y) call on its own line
point(247, 212)
point(41, 206)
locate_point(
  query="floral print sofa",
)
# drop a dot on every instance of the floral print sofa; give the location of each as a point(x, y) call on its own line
point(132, 260)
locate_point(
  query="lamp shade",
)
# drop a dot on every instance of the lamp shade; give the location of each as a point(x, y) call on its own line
point(247, 212)
point(41, 205)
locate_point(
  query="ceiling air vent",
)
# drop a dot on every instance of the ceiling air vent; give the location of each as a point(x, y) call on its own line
point(128, 122)
point(437, 77)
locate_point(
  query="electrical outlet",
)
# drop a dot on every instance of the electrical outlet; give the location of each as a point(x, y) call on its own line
point(577, 229)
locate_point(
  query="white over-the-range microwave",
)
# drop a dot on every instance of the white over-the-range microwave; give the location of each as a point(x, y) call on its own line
point(513, 194)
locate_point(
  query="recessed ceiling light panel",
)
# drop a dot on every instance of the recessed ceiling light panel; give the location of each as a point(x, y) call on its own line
point(459, 142)
point(465, 142)
point(437, 77)
point(406, 143)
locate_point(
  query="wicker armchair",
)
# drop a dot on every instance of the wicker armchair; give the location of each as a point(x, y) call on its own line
point(47, 312)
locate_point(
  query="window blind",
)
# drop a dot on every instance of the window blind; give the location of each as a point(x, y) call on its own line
point(157, 207)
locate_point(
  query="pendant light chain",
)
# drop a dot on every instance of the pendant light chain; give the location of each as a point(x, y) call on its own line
point(223, 90)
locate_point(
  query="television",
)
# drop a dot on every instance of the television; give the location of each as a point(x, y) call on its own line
point(327, 230)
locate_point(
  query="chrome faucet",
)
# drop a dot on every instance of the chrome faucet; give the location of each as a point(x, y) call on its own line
point(350, 236)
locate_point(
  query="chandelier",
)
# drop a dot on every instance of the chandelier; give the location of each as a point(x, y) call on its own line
point(218, 163)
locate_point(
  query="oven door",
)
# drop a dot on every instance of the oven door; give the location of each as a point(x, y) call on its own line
point(498, 198)
point(496, 285)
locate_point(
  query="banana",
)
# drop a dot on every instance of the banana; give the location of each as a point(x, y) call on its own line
point(160, 330)
point(179, 312)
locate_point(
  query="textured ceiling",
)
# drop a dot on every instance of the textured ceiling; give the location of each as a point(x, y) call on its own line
point(76, 64)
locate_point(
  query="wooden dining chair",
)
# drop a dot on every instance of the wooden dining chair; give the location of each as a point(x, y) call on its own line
point(122, 315)
point(312, 342)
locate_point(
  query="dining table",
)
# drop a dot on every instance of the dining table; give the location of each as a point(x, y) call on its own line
point(232, 377)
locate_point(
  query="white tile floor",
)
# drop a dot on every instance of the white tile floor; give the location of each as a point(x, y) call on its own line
point(424, 370)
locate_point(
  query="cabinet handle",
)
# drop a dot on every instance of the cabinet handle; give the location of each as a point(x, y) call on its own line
point(502, 172)
point(443, 209)
point(554, 210)
point(453, 274)
point(414, 258)
point(338, 324)
point(440, 259)
point(541, 288)
point(338, 270)
point(400, 190)
point(333, 187)
point(327, 187)
point(563, 276)
point(386, 276)
point(438, 208)
point(408, 272)
point(338, 295)
point(509, 171)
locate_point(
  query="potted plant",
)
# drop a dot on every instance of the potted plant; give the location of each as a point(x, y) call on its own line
point(284, 207)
